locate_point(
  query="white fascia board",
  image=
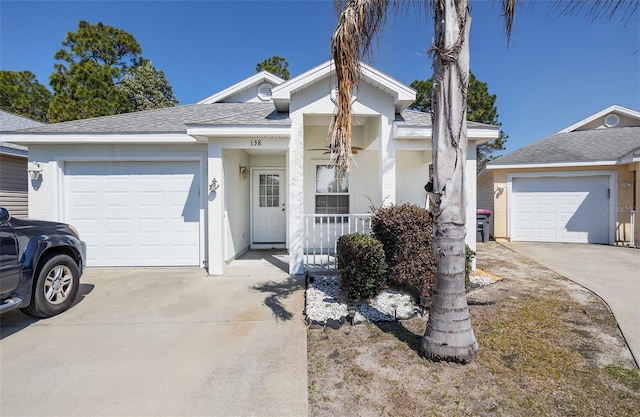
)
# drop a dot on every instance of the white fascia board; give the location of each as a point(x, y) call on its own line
point(283, 90)
point(403, 94)
point(239, 131)
point(555, 165)
point(96, 138)
point(629, 160)
point(423, 132)
point(253, 80)
point(13, 150)
point(615, 108)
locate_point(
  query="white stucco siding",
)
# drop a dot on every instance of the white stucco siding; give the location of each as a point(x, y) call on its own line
point(52, 197)
point(470, 190)
point(295, 190)
point(237, 213)
point(412, 175)
point(45, 200)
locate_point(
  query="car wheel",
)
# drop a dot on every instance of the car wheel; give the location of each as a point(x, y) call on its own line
point(55, 288)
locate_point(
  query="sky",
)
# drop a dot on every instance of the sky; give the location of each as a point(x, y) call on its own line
point(554, 72)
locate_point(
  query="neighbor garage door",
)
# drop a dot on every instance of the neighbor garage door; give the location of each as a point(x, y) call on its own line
point(135, 213)
point(560, 209)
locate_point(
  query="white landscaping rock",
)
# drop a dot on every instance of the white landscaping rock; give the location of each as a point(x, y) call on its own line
point(324, 301)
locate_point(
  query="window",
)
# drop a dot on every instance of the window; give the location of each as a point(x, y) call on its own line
point(269, 190)
point(332, 192)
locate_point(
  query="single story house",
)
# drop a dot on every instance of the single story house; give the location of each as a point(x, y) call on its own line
point(244, 168)
point(14, 187)
point(578, 185)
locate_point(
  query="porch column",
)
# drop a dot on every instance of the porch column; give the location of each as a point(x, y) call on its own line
point(215, 211)
point(387, 161)
point(295, 197)
point(470, 191)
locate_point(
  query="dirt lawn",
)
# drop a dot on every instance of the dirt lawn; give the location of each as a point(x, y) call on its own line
point(548, 347)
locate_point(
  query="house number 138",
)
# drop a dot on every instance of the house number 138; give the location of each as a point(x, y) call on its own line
point(256, 142)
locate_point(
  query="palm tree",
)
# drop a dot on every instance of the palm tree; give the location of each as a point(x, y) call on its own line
point(449, 335)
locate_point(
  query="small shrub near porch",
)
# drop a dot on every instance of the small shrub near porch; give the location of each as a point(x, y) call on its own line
point(362, 266)
point(406, 233)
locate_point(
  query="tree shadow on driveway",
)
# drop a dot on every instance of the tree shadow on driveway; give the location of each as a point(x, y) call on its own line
point(278, 292)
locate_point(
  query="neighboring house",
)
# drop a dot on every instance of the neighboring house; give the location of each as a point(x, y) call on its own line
point(578, 185)
point(244, 168)
point(14, 187)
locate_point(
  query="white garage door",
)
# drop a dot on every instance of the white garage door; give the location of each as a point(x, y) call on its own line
point(560, 209)
point(135, 213)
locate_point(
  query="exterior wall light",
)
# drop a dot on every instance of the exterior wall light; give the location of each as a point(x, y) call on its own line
point(244, 172)
point(213, 187)
point(626, 184)
point(35, 170)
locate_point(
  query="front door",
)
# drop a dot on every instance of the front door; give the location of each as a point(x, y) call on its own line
point(268, 214)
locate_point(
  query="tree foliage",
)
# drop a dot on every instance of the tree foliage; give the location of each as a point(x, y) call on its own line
point(22, 94)
point(481, 108)
point(147, 88)
point(275, 65)
point(101, 72)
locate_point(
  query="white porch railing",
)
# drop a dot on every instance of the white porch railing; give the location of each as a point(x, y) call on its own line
point(321, 233)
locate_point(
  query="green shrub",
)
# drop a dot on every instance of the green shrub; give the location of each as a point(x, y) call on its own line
point(361, 265)
point(406, 233)
point(468, 266)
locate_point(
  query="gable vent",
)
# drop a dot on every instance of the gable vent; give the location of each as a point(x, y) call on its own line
point(264, 92)
point(611, 120)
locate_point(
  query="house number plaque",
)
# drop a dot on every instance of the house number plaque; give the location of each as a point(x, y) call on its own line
point(256, 142)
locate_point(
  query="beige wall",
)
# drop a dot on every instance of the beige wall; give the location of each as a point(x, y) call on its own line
point(625, 201)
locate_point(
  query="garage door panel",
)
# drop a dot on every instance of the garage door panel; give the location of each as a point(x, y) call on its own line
point(133, 213)
point(564, 209)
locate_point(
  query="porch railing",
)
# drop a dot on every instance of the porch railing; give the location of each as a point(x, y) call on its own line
point(321, 233)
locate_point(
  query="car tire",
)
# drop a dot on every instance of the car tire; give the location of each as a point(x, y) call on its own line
point(55, 287)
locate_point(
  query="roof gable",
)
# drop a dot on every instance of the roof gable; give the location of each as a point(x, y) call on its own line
point(597, 120)
point(403, 95)
point(247, 90)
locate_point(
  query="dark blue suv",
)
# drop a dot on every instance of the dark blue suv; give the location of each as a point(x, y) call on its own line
point(40, 265)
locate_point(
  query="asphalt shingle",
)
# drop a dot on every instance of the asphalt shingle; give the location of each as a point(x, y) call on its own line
point(578, 146)
point(172, 119)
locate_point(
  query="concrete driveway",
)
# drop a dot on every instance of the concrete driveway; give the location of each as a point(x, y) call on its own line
point(611, 272)
point(163, 341)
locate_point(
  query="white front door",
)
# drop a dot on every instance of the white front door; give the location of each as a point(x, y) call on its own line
point(269, 211)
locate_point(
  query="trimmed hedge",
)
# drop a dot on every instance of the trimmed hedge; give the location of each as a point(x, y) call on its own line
point(406, 233)
point(362, 266)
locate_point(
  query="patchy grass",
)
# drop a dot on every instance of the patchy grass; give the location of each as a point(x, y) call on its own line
point(547, 348)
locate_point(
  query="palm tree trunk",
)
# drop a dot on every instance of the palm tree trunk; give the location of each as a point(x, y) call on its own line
point(449, 335)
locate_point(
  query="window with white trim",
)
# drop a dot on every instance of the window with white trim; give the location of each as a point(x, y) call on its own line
point(332, 192)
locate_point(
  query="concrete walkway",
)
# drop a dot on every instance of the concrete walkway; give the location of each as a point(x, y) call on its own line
point(611, 272)
point(164, 341)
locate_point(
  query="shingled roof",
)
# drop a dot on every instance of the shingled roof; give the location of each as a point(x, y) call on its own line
point(421, 119)
point(596, 145)
point(171, 119)
point(10, 122)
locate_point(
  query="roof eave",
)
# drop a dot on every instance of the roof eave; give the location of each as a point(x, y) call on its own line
point(242, 85)
point(554, 164)
point(477, 135)
point(265, 131)
point(97, 138)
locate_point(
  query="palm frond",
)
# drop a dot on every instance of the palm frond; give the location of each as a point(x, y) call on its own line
point(358, 24)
